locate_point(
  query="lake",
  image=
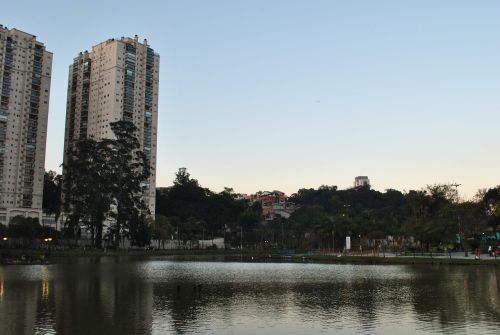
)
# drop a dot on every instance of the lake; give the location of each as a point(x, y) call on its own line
point(109, 295)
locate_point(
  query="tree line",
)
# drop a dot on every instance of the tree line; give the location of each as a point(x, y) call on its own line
point(430, 217)
point(104, 179)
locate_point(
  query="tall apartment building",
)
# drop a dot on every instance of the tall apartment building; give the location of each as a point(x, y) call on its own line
point(117, 80)
point(25, 73)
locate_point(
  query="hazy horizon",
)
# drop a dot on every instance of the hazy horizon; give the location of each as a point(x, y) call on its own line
point(285, 95)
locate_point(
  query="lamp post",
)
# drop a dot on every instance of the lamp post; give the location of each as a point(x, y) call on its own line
point(333, 238)
point(360, 247)
point(178, 239)
point(460, 232)
point(47, 241)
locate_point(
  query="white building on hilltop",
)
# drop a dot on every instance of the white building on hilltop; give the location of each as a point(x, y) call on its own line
point(361, 181)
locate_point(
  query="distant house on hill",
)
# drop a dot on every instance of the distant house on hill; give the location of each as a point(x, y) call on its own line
point(273, 204)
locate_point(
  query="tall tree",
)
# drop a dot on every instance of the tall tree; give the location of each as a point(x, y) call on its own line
point(130, 173)
point(107, 178)
point(87, 186)
point(491, 203)
point(139, 229)
point(52, 183)
point(162, 230)
point(186, 198)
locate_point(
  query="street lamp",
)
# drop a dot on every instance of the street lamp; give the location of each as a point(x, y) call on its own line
point(333, 238)
point(460, 232)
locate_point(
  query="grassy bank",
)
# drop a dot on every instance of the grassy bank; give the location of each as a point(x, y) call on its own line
point(46, 256)
point(405, 260)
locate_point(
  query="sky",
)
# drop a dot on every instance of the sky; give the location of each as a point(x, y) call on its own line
point(270, 94)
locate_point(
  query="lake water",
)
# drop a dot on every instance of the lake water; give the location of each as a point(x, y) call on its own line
point(168, 296)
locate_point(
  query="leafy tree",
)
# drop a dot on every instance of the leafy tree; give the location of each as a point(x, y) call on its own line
point(106, 179)
point(186, 198)
point(130, 173)
point(52, 183)
point(472, 221)
point(491, 203)
point(88, 187)
point(248, 222)
point(3, 230)
point(198, 210)
point(311, 227)
point(162, 230)
point(24, 228)
point(139, 229)
point(432, 215)
point(223, 211)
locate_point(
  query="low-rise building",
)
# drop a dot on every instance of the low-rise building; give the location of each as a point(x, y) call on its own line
point(274, 204)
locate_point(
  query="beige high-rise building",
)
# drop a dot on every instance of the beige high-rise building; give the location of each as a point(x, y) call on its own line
point(25, 73)
point(117, 80)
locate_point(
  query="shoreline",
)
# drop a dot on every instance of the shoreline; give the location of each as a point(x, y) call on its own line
point(46, 257)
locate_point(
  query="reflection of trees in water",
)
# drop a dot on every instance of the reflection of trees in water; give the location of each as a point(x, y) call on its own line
point(179, 307)
point(106, 299)
point(114, 298)
point(457, 294)
point(448, 295)
point(18, 307)
point(193, 306)
point(190, 309)
point(25, 306)
point(359, 299)
point(79, 299)
point(45, 311)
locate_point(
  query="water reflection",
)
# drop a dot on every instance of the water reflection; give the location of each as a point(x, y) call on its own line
point(456, 296)
point(103, 298)
point(106, 296)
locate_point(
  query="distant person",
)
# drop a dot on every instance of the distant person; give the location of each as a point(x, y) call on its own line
point(490, 252)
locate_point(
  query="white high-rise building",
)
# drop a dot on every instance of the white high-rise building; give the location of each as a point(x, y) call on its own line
point(117, 80)
point(25, 73)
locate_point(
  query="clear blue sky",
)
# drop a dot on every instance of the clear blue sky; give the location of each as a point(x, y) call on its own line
point(261, 95)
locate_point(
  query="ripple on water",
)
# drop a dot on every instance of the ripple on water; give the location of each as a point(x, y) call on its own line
point(172, 297)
